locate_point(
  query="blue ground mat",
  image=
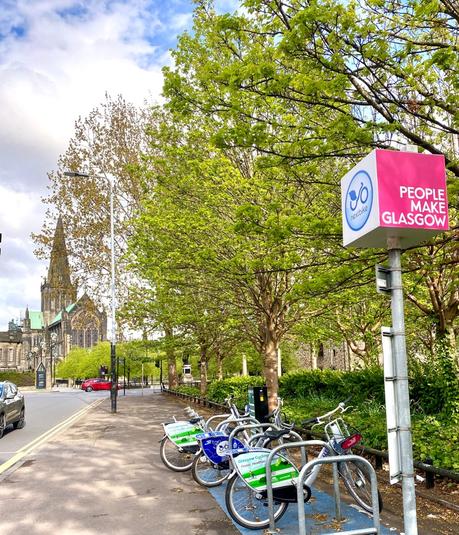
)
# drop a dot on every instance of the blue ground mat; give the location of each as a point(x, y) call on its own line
point(319, 512)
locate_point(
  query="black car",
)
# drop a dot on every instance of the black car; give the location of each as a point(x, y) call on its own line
point(12, 408)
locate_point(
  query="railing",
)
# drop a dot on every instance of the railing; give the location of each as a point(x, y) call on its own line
point(378, 456)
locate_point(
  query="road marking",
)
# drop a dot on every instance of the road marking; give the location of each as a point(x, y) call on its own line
point(28, 448)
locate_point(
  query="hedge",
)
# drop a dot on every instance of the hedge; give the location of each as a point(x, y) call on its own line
point(19, 378)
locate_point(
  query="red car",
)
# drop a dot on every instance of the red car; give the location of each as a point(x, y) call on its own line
point(96, 384)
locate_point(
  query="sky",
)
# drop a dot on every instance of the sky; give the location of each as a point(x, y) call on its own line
point(58, 59)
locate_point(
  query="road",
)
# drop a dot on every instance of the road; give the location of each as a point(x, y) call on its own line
point(46, 410)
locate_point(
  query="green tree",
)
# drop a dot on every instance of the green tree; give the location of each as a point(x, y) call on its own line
point(108, 142)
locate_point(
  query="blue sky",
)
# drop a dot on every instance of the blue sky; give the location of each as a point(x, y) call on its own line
point(58, 58)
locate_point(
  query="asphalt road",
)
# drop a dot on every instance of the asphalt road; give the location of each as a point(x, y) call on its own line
point(44, 411)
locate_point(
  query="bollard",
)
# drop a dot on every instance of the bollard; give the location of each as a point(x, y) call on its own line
point(430, 477)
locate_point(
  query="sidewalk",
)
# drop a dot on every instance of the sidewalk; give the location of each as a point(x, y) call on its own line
point(104, 476)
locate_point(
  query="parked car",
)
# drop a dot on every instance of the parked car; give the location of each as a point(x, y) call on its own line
point(96, 384)
point(12, 407)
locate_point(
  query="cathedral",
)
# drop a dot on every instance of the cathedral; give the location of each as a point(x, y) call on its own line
point(45, 337)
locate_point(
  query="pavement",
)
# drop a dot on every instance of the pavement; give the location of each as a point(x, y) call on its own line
point(103, 475)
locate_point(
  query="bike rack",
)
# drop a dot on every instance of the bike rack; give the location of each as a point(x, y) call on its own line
point(217, 417)
point(302, 444)
point(241, 428)
point(334, 460)
point(255, 423)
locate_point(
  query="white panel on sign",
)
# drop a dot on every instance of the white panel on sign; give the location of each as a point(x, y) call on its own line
point(391, 406)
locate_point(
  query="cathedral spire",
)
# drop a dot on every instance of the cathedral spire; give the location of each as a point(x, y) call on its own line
point(57, 291)
point(59, 270)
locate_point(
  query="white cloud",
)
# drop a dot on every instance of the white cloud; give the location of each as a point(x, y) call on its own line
point(20, 272)
point(58, 59)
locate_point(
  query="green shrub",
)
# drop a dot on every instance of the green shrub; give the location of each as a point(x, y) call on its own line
point(437, 438)
point(19, 378)
point(427, 388)
point(237, 387)
point(334, 384)
point(189, 390)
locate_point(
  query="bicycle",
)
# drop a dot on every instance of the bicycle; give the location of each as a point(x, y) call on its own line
point(246, 492)
point(361, 196)
point(179, 445)
point(210, 466)
point(341, 441)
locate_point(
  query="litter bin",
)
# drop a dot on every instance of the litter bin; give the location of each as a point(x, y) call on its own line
point(258, 402)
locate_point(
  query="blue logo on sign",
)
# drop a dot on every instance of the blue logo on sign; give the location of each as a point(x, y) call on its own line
point(359, 200)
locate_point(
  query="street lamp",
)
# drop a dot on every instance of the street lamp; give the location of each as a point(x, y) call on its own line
point(32, 358)
point(52, 345)
point(114, 386)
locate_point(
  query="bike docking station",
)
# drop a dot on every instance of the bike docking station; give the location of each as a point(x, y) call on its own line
point(395, 200)
point(303, 492)
point(271, 471)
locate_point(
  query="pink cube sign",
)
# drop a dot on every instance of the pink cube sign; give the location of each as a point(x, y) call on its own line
point(394, 194)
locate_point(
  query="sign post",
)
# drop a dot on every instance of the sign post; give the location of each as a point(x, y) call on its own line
point(40, 379)
point(395, 200)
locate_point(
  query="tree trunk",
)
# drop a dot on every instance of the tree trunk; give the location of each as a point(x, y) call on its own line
point(203, 376)
point(451, 338)
point(219, 358)
point(171, 365)
point(270, 371)
point(203, 372)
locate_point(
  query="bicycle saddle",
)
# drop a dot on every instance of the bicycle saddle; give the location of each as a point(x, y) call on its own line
point(195, 420)
point(274, 434)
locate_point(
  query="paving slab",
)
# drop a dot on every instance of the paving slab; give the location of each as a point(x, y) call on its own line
point(104, 476)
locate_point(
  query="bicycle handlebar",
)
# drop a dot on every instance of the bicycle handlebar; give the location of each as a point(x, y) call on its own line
point(342, 407)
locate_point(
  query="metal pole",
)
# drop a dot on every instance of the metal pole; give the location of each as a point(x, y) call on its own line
point(51, 360)
point(161, 375)
point(401, 385)
point(114, 388)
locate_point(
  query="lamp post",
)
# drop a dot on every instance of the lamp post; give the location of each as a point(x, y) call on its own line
point(52, 345)
point(114, 386)
point(32, 358)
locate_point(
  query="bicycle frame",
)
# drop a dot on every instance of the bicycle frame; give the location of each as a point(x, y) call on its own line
point(339, 440)
point(183, 433)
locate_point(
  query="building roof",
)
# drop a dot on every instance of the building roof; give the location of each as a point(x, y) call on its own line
point(12, 337)
point(58, 318)
point(36, 319)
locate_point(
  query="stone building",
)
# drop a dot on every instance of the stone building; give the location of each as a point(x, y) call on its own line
point(328, 355)
point(11, 356)
point(64, 321)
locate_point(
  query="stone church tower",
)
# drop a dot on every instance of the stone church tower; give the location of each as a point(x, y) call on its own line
point(64, 321)
point(57, 290)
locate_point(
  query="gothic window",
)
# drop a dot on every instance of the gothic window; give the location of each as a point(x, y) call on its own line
point(1, 357)
point(95, 336)
point(10, 355)
point(85, 329)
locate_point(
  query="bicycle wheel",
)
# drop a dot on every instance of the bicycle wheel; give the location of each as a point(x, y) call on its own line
point(175, 458)
point(357, 481)
point(207, 473)
point(249, 508)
